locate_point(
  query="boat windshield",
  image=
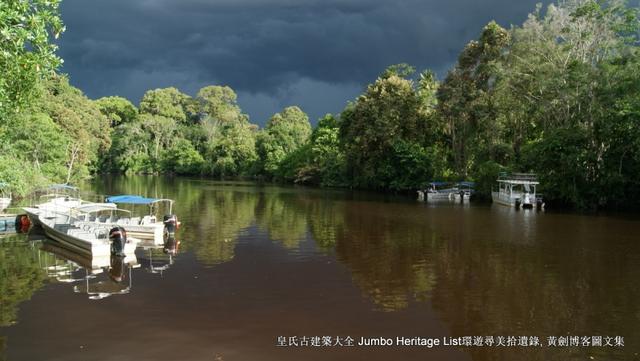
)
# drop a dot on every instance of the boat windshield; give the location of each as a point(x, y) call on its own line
point(60, 190)
point(98, 207)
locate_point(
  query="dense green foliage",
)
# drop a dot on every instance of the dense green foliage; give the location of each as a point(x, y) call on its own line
point(26, 54)
point(557, 96)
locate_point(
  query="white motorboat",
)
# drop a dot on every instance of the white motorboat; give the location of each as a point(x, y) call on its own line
point(147, 227)
point(518, 190)
point(91, 214)
point(89, 240)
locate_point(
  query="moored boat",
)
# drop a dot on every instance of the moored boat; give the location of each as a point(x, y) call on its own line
point(91, 241)
point(447, 191)
point(437, 191)
point(147, 227)
point(518, 190)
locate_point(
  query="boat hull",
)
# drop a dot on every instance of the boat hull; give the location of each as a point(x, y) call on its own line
point(150, 232)
point(510, 201)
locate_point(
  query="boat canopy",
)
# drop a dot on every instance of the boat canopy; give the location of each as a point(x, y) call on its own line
point(133, 199)
point(438, 184)
point(467, 184)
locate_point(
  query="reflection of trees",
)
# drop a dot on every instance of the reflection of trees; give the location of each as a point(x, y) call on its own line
point(389, 258)
point(20, 276)
point(504, 289)
point(3, 346)
point(511, 290)
point(282, 214)
point(326, 222)
point(212, 214)
point(221, 216)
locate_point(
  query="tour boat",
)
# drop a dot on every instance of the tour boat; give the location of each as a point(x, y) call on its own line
point(517, 190)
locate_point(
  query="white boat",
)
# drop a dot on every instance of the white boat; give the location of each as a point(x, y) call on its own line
point(5, 197)
point(147, 227)
point(464, 191)
point(92, 214)
point(517, 190)
point(91, 241)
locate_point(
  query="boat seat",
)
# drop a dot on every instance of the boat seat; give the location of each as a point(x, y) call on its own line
point(146, 220)
point(135, 221)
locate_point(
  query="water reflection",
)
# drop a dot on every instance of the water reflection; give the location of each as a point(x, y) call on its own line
point(478, 270)
point(389, 258)
point(158, 260)
point(3, 346)
point(98, 277)
point(282, 215)
point(213, 222)
point(20, 276)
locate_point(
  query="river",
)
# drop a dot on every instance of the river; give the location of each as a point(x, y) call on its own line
point(288, 273)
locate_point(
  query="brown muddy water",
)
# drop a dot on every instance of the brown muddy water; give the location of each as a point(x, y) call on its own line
point(262, 268)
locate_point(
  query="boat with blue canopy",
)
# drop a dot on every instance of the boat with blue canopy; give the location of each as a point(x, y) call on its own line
point(147, 227)
point(135, 199)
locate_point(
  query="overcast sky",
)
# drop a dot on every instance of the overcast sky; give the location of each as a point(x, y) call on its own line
point(317, 54)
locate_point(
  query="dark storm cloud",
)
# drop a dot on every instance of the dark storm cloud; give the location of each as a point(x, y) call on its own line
point(315, 53)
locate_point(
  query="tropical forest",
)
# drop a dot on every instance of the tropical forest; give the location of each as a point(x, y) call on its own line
point(558, 95)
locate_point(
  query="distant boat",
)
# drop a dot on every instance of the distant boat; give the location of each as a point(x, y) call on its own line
point(447, 191)
point(465, 190)
point(517, 190)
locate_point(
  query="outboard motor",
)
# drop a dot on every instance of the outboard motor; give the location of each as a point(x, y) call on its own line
point(118, 238)
point(170, 224)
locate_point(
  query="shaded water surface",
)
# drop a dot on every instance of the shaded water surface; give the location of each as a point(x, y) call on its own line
point(259, 262)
